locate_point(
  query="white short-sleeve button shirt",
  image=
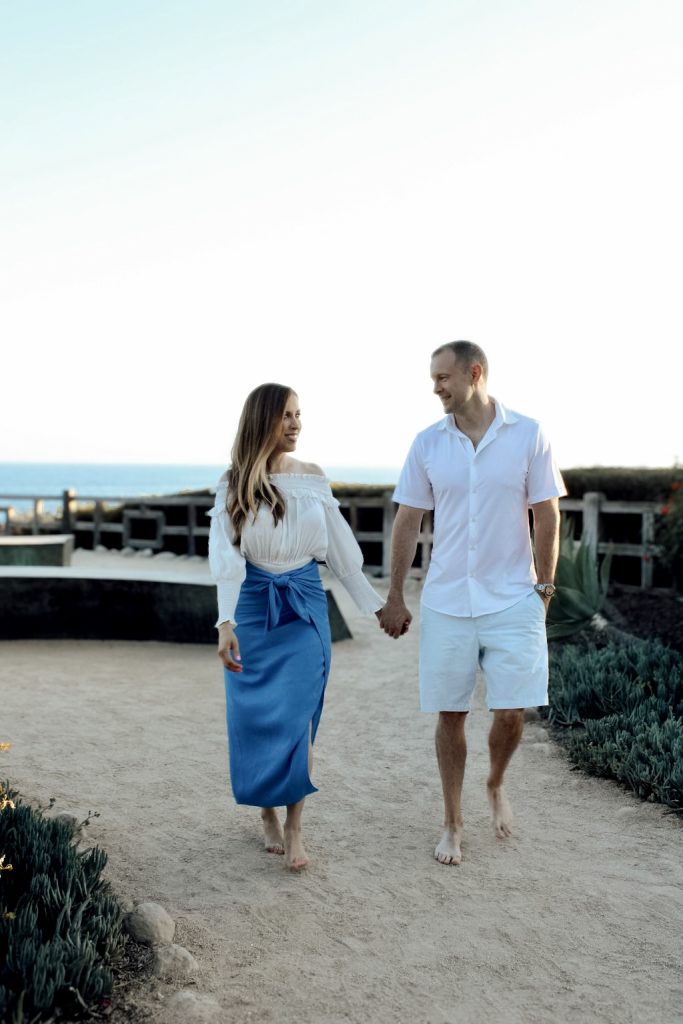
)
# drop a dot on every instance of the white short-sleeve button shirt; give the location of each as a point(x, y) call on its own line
point(481, 559)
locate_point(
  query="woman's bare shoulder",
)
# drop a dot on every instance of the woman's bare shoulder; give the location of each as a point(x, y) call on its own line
point(296, 466)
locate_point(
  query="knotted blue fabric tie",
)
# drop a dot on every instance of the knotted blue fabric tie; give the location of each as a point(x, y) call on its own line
point(299, 586)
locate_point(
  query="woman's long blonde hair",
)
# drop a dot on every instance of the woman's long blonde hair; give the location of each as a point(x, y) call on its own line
point(248, 483)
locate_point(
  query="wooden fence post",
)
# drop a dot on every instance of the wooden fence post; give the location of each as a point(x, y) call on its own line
point(191, 527)
point(38, 506)
point(647, 540)
point(97, 524)
point(591, 520)
point(387, 525)
point(68, 503)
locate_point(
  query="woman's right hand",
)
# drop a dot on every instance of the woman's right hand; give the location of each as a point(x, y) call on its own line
point(228, 647)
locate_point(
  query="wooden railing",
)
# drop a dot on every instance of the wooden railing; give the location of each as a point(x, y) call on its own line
point(595, 511)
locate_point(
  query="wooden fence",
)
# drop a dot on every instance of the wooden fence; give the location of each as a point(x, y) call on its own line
point(375, 504)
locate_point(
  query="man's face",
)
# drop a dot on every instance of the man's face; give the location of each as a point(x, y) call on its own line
point(452, 381)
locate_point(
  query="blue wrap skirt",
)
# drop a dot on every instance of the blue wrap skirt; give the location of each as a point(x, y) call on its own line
point(275, 703)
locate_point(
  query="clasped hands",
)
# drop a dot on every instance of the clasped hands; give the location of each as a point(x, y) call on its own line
point(394, 618)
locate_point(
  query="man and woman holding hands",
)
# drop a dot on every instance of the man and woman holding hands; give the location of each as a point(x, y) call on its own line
point(480, 469)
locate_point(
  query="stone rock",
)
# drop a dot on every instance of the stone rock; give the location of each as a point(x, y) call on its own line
point(186, 1006)
point(144, 553)
point(540, 748)
point(150, 925)
point(67, 818)
point(173, 963)
point(165, 556)
point(127, 552)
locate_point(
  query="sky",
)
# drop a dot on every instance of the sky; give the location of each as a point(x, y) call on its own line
point(199, 197)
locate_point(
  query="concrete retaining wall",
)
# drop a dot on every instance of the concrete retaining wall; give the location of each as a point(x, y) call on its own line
point(39, 604)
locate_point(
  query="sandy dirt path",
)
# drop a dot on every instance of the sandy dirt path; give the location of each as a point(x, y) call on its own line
point(576, 918)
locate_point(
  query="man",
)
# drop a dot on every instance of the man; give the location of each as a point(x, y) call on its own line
point(483, 602)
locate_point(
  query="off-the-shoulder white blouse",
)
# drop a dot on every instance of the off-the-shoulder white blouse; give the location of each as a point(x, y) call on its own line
point(312, 527)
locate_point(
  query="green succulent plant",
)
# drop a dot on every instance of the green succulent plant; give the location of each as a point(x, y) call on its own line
point(581, 587)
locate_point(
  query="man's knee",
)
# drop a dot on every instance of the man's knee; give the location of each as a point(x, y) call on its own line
point(452, 721)
point(510, 719)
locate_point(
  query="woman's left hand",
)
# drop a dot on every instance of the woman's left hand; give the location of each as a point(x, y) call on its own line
point(228, 647)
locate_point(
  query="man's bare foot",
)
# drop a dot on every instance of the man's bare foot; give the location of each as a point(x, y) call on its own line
point(295, 854)
point(448, 850)
point(500, 811)
point(272, 831)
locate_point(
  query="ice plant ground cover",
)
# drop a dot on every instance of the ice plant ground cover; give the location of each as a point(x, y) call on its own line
point(619, 711)
point(60, 925)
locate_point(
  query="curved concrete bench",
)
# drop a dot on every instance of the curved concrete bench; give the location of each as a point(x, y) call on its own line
point(78, 604)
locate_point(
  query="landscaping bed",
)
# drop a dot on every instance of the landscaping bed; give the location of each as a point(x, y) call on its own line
point(649, 613)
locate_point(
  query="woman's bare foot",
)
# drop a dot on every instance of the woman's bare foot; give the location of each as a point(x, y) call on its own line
point(448, 850)
point(272, 831)
point(500, 811)
point(295, 854)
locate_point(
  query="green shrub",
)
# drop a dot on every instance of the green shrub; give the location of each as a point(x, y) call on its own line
point(622, 706)
point(621, 483)
point(60, 925)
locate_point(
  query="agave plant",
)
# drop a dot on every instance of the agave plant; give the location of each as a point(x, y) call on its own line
point(581, 587)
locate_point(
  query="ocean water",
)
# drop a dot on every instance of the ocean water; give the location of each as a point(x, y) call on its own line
point(99, 480)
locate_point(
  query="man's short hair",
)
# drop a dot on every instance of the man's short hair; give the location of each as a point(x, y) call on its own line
point(465, 352)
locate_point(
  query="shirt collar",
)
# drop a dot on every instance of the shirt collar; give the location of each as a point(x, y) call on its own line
point(502, 416)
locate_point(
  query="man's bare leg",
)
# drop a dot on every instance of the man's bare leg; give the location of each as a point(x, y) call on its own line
point(272, 831)
point(295, 853)
point(451, 754)
point(506, 732)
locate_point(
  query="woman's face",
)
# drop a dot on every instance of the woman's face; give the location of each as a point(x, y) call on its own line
point(290, 425)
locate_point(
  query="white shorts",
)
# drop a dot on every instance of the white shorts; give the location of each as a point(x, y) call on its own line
point(509, 646)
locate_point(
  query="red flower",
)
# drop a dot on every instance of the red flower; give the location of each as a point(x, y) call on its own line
point(676, 485)
point(665, 509)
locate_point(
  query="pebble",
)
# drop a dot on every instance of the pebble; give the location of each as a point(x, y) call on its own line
point(626, 812)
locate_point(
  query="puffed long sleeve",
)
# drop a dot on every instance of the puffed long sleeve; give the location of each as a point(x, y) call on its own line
point(226, 561)
point(345, 559)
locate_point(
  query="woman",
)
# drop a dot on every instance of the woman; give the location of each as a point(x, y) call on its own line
point(274, 517)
